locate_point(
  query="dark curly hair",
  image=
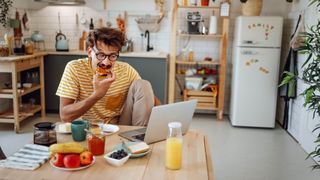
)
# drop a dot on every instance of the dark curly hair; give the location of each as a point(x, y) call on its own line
point(109, 36)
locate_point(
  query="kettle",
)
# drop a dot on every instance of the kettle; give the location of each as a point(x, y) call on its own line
point(61, 42)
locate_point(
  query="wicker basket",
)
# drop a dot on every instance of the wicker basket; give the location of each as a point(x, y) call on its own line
point(252, 8)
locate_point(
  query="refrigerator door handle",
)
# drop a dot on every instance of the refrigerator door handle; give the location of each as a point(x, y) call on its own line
point(250, 42)
point(249, 52)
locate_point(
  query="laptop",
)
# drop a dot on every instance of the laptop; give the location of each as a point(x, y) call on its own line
point(160, 116)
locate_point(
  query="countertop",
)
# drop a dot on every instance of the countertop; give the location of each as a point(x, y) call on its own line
point(151, 54)
point(18, 58)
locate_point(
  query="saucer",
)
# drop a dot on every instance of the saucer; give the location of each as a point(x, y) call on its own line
point(109, 129)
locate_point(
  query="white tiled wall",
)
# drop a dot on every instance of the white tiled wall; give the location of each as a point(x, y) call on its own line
point(45, 19)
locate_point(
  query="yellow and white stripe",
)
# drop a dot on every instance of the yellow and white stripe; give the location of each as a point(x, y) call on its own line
point(76, 83)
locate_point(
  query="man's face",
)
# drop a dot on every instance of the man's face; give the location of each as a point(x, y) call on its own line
point(103, 56)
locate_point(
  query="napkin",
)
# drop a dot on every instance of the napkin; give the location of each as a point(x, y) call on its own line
point(30, 157)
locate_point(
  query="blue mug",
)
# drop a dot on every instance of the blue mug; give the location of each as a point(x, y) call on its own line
point(78, 129)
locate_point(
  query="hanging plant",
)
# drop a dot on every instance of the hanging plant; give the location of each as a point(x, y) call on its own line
point(5, 6)
point(310, 76)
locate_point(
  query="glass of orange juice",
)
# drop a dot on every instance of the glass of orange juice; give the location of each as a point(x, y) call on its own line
point(174, 146)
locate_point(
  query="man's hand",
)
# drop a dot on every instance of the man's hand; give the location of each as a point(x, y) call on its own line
point(100, 87)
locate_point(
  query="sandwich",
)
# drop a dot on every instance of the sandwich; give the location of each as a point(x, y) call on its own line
point(139, 148)
point(103, 72)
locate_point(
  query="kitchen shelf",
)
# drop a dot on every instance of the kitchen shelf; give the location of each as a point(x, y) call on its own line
point(214, 36)
point(199, 7)
point(15, 65)
point(198, 62)
point(217, 104)
point(7, 93)
point(9, 117)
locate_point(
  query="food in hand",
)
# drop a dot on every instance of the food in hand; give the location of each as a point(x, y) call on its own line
point(70, 147)
point(119, 154)
point(57, 159)
point(139, 148)
point(71, 161)
point(86, 158)
point(103, 72)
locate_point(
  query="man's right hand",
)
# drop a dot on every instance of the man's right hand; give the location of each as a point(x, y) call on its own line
point(100, 87)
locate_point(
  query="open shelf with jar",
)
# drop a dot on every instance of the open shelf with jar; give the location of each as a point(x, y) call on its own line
point(212, 98)
point(27, 82)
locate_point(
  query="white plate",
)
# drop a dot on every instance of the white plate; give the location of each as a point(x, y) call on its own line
point(109, 129)
point(61, 128)
point(74, 169)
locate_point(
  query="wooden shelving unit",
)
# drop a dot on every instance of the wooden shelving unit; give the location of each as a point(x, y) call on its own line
point(218, 103)
point(14, 65)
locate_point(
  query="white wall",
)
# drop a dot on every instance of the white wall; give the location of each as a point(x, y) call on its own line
point(301, 122)
point(45, 19)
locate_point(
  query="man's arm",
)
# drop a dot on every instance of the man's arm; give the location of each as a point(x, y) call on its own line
point(70, 110)
point(157, 102)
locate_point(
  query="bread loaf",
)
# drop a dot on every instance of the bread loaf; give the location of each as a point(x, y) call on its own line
point(138, 148)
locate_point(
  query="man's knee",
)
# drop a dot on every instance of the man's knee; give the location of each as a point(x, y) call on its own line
point(141, 84)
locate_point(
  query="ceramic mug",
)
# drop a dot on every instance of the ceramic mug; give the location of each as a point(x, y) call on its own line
point(78, 129)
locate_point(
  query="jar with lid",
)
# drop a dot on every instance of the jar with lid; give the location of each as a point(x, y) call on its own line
point(44, 133)
point(29, 46)
point(96, 139)
point(4, 49)
point(174, 146)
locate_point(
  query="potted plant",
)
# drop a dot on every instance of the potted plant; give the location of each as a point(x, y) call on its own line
point(310, 76)
point(5, 6)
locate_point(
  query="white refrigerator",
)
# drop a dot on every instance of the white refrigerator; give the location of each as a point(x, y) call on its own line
point(255, 71)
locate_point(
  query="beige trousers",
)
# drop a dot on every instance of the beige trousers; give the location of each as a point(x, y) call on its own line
point(138, 105)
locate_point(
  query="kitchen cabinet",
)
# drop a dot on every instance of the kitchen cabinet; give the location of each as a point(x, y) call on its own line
point(17, 65)
point(153, 69)
point(54, 65)
point(220, 64)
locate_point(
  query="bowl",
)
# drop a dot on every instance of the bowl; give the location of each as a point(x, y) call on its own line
point(115, 162)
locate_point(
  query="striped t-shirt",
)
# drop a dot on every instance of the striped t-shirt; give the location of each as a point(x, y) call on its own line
point(76, 83)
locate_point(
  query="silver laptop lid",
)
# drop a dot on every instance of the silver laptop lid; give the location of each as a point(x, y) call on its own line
point(157, 128)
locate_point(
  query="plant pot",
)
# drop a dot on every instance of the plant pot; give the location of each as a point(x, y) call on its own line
point(252, 7)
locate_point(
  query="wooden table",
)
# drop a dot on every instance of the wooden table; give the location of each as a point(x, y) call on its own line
point(15, 65)
point(196, 163)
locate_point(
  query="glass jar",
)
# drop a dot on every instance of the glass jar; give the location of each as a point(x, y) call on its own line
point(44, 133)
point(29, 46)
point(96, 140)
point(174, 146)
point(4, 49)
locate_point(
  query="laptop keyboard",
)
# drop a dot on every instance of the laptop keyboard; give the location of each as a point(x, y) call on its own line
point(140, 137)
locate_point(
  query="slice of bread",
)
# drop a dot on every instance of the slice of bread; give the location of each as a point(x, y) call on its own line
point(138, 148)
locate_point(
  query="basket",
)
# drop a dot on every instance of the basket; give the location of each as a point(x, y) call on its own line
point(252, 8)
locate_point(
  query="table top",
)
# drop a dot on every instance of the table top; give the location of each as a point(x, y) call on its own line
point(196, 163)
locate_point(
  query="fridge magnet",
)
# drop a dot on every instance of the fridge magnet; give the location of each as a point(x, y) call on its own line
point(259, 24)
point(253, 25)
point(263, 70)
point(247, 63)
point(271, 27)
point(249, 26)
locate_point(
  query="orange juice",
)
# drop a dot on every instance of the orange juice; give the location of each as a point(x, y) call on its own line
point(173, 153)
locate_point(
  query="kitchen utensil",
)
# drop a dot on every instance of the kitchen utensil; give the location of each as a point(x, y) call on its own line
point(61, 39)
point(25, 20)
point(44, 133)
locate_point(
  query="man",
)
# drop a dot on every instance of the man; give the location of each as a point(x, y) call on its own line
point(101, 88)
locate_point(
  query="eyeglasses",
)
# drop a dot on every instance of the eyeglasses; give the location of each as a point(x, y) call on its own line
point(101, 56)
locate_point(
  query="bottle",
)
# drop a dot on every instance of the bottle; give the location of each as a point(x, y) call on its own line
point(91, 26)
point(190, 55)
point(174, 146)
